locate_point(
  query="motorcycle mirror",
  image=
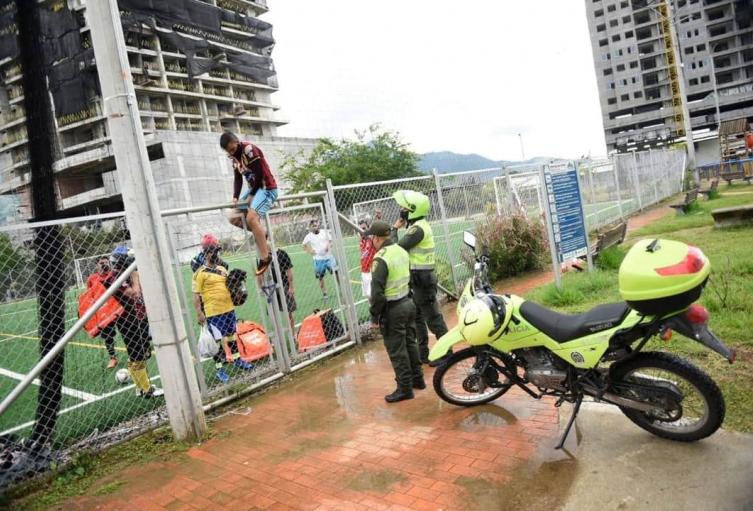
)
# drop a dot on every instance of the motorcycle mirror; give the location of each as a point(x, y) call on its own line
point(469, 239)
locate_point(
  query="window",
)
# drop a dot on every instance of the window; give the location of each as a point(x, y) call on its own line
point(611, 101)
point(634, 80)
point(604, 42)
point(629, 49)
point(693, 81)
point(634, 64)
point(611, 8)
point(626, 19)
point(625, 97)
point(700, 63)
point(613, 23)
point(608, 72)
point(689, 35)
point(696, 32)
point(688, 50)
point(611, 85)
point(601, 28)
point(621, 67)
point(700, 47)
point(696, 15)
point(638, 94)
point(624, 83)
point(628, 34)
point(619, 52)
point(705, 79)
point(615, 38)
point(599, 13)
point(692, 65)
point(623, 5)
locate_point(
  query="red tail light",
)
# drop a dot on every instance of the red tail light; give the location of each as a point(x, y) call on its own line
point(697, 314)
point(693, 263)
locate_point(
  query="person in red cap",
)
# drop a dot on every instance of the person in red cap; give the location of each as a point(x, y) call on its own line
point(207, 241)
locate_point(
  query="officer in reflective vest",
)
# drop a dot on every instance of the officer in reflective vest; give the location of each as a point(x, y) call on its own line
point(419, 242)
point(393, 311)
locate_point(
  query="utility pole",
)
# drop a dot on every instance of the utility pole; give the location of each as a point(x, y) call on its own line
point(48, 241)
point(145, 222)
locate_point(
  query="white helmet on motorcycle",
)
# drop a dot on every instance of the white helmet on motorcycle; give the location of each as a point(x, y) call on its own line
point(484, 319)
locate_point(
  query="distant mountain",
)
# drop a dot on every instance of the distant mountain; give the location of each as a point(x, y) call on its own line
point(447, 161)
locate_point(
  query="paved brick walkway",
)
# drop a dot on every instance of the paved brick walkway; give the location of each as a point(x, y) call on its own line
point(327, 440)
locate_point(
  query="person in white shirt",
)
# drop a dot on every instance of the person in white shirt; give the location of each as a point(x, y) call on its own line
point(318, 243)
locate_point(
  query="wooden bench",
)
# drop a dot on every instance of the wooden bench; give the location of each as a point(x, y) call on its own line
point(712, 188)
point(612, 236)
point(738, 215)
point(684, 206)
point(731, 176)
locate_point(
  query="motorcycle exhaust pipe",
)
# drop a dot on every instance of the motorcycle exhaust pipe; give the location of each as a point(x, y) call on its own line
point(621, 401)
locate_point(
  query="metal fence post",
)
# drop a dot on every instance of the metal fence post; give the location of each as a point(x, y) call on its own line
point(330, 210)
point(182, 395)
point(636, 183)
point(617, 182)
point(446, 230)
point(281, 353)
point(281, 343)
point(184, 306)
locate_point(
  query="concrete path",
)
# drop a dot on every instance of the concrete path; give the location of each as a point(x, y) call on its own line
point(619, 466)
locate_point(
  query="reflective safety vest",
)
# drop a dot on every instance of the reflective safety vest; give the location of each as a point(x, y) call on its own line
point(398, 272)
point(422, 255)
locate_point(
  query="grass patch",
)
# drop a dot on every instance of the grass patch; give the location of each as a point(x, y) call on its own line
point(610, 258)
point(728, 297)
point(82, 476)
point(714, 194)
point(576, 289)
point(699, 217)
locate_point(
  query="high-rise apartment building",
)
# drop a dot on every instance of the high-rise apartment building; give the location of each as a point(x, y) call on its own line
point(199, 67)
point(638, 83)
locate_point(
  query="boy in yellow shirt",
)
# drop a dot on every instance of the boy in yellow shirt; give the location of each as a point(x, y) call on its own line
point(210, 289)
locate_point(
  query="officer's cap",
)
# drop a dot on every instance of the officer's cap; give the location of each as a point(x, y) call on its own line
point(379, 228)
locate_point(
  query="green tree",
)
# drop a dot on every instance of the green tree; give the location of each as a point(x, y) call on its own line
point(374, 155)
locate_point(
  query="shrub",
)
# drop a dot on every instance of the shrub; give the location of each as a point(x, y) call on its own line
point(515, 244)
point(714, 194)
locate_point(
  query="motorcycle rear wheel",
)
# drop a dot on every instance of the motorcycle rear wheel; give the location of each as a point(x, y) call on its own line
point(702, 408)
point(455, 381)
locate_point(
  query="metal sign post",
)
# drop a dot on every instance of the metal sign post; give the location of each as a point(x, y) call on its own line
point(565, 215)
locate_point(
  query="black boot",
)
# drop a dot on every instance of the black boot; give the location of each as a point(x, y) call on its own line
point(419, 383)
point(399, 395)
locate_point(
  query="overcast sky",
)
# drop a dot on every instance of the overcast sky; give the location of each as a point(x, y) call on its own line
point(448, 75)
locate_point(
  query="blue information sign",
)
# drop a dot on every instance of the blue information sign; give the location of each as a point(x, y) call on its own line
point(566, 213)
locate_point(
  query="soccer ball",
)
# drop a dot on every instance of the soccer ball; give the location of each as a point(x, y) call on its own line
point(122, 376)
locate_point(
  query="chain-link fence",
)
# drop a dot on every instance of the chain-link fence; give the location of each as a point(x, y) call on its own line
point(108, 375)
point(309, 305)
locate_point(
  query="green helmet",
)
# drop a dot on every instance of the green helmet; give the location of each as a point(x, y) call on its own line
point(417, 204)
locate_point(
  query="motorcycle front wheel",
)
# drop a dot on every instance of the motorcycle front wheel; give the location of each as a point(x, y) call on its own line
point(699, 413)
point(465, 380)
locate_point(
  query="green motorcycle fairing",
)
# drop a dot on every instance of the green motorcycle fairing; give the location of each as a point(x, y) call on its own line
point(583, 352)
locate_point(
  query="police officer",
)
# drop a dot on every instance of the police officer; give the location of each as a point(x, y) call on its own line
point(419, 242)
point(393, 311)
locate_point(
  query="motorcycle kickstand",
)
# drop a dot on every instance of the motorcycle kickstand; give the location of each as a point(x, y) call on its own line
point(570, 422)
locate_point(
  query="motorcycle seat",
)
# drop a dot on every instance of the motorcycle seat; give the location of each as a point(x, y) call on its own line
point(566, 327)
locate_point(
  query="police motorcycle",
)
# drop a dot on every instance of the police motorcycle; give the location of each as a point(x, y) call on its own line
point(508, 341)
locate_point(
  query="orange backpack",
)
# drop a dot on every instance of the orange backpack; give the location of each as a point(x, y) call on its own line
point(104, 317)
point(253, 342)
point(311, 335)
